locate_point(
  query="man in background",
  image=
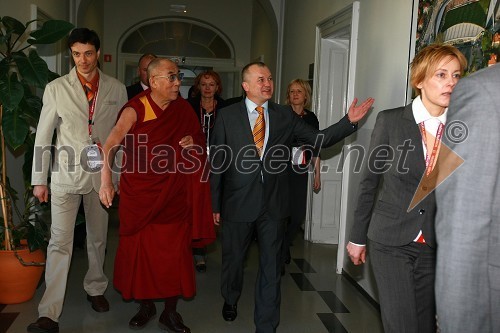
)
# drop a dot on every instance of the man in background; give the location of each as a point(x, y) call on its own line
point(81, 107)
point(142, 71)
point(468, 214)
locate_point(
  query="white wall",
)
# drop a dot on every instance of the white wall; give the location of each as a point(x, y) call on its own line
point(382, 64)
point(20, 9)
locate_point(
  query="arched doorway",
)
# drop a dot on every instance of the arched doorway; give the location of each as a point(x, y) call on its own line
point(193, 44)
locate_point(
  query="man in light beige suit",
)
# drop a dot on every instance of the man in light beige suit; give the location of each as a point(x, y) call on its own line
point(81, 107)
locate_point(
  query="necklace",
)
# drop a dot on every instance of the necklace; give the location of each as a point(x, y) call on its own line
point(301, 114)
point(207, 121)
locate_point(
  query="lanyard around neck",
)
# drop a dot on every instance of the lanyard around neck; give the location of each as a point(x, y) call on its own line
point(430, 158)
point(92, 110)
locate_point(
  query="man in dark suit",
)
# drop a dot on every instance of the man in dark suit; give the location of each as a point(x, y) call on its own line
point(249, 184)
point(142, 71)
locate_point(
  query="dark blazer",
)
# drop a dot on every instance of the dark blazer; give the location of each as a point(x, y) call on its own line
point(383, 216)
point(195, 103)
point(134, 89)
point(240, 181)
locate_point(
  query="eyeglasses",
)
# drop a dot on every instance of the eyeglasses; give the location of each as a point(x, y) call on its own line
point(172, 77)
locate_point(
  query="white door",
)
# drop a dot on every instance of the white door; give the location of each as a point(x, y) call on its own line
point(325, 205)
point(333, 91)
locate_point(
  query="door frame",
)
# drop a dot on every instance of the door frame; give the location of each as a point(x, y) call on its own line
point(344, 24)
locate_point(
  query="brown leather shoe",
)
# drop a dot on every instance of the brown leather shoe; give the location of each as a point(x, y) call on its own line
point(172, 322)
point(43, 325)
point(99, 303)
point(147, 311)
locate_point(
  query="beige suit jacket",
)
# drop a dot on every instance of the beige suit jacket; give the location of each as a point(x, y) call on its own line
point(66, 111)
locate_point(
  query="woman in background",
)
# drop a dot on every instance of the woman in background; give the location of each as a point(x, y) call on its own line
point(207, 101)
point(298, 96)
point(399, 230)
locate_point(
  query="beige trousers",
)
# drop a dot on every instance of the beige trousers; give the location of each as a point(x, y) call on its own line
point(64, 208)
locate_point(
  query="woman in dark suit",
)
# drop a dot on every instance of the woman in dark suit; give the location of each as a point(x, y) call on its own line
point(206, 102)
point(398, 229)
point(298, 96)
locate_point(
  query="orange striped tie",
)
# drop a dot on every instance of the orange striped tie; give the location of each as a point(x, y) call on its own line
point(89, 91)
point(259, 130)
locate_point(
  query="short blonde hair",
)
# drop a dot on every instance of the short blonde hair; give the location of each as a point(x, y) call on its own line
point(307, 90)
point(426, 61)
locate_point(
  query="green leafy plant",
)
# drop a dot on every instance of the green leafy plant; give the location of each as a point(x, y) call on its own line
point(22, 70)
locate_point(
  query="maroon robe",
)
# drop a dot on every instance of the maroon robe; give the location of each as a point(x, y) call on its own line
point(164, 202)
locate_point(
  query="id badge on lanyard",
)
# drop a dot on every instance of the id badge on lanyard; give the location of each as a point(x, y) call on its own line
point(93, 150)
point(94, 157)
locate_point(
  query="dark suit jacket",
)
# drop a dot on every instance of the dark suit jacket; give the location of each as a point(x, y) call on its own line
point(134, 89)
point(396, 164)
point(240, 181)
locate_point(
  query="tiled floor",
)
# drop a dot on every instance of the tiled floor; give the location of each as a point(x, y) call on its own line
point(314, 299)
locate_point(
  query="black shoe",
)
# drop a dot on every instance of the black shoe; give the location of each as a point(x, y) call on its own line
point(43, 325)
point(172, 322)
point(99, 303)
point(229, 312)
point(201, 267)
point(147, 311)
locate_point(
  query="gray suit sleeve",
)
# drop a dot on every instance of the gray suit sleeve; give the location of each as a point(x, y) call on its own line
point(369, 183)
point(468, 222)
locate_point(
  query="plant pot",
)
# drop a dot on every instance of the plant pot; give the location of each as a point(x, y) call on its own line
point(18, 282)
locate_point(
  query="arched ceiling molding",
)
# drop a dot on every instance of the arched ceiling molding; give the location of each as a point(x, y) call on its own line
point(176, 36)
point(271, 13)
point(277, 6)
point(274, 10)
point(81, 9)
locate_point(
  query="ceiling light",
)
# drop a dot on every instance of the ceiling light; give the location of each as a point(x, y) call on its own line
point(178, 8)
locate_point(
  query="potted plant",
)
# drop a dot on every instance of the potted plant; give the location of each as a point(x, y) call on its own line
point(22, 241)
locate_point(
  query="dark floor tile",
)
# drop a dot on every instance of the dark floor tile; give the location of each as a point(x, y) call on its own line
point(6, 319)
point(333, 302)
point(302, 282)
point(304, 266)
point(367, 296)
point(332, 324)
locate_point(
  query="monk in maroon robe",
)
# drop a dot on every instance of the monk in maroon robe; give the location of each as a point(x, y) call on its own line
point(164, 200)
